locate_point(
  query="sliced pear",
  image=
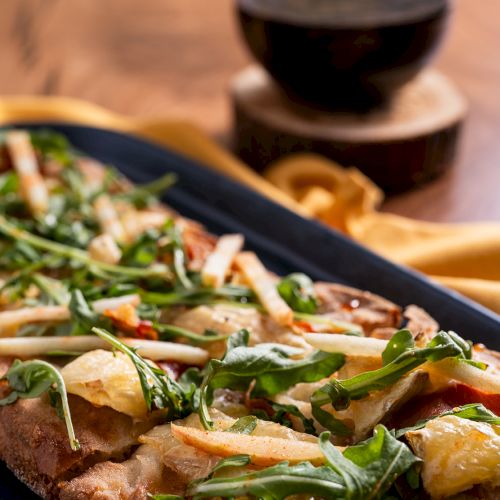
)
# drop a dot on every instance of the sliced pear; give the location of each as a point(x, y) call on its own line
point(346, 344)
point(263, 450)
point(29, 347)
point(455, 369)
point(264, 286)
point(219, 262)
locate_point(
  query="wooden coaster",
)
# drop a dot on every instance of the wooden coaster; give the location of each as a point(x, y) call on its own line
point(409, 141)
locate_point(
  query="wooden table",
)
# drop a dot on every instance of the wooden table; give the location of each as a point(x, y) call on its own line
point(175, 58)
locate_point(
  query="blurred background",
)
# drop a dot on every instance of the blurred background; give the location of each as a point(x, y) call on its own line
point(175, 58)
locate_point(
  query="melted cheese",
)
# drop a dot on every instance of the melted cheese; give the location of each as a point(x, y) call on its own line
point(457, 454)
point(106, 379)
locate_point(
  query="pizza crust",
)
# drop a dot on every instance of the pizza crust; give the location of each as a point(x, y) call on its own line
point(34, 441)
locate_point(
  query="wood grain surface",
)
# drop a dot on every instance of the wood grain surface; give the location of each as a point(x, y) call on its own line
point(176, 57)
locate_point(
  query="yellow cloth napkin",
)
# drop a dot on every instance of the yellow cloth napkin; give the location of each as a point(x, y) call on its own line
point(465, 257)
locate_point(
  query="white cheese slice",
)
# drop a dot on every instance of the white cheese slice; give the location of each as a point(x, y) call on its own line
point(457, 454)
point(105, 378)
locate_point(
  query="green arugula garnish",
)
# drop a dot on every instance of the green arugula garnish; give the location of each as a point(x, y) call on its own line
point(198, 295)
point(244, 425)
point(274, 483)
point(169, 332)
point(281, 413)
point(53, 291)
point(160, 391)
point(473, 411)
point(176, 246)
point(52, 145)
point(83, 317)
point(144, 251)
point(142, 196)
point(297, 290)
point(399, 357)
point(9, 183)
point(30, 379)
point(21, 256)
point(20, 235)
point(362, 472)
point(269, 367)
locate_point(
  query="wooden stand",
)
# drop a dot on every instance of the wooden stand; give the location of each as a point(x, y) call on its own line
point(409, 141)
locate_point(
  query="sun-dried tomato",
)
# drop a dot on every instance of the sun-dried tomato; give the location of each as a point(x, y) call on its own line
point(145, 330)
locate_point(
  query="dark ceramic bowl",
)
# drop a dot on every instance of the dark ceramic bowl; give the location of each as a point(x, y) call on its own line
point(342, 53)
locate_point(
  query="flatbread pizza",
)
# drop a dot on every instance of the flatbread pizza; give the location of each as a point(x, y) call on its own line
point(143, 357)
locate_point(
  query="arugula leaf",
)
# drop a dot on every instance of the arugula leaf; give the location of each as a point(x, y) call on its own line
point(197, 295)
point(53, 145)
point(144, 195)
point(20, 256)
point(16, 287)
point(19, 235)
point(340, 392)
point(281, 413)
point(399, 343)
point(244, 425)
point(115, 288)
point(190, 381)
point(382, 458)
point(352, 475)
point(143, 251)
point(10, 199)
point(473, 411)
point(30, 379)
point(225, 463)
point(165, 497)
point(9, 183)
point(297, 290)
point(79, 192)
point(274, 483)
point(362, 472)
point(159, 390)
point(83, 317)
point(69, 219)
point(268, 367)
point(238, 339)
point(328, 392)
point(53, 290)
point(171, 331)
point(176, 246)
point(233, 461)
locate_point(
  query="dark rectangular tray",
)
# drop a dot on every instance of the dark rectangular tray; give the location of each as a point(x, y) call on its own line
point(285, 241)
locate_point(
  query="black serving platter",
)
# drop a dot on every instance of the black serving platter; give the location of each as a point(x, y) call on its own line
point(285, 241)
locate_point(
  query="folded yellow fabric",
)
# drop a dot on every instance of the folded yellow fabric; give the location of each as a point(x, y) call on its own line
point(178, 135)
point(465, 257)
